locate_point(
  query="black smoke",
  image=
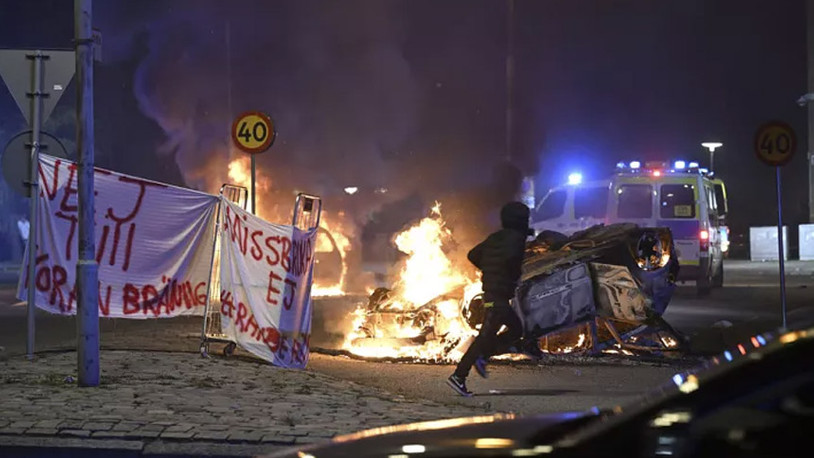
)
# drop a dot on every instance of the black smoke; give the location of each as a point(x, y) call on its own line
point(396, 95)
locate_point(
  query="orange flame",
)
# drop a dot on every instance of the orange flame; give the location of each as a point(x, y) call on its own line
point(239, 173)
point(343, 244)
point(426, 274)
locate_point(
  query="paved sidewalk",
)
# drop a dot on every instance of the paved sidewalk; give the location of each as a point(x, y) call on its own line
point(165, 401)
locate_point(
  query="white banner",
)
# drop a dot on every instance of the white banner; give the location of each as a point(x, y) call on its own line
point(153, 244)
point(265, 286)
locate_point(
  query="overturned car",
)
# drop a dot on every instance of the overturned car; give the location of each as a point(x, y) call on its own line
point(600, 290)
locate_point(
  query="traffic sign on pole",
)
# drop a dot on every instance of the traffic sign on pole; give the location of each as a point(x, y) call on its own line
point(16, 160)
point(16, 70)
point(253, 132)
point(775, 144)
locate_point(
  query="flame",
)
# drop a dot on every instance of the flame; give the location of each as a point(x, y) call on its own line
point(428, 272)
point(669, 342)
point(570, 340)
point(579, 345)
point(239, 174)
point(342, 240)
point(618, 350)
point(417, 320)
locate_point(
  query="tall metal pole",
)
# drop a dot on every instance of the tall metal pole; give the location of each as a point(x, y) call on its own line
point(509, 79)
point(810, 106)
point(33, 186)
point(87, 273)
point(711, 160)
point(254, 169)
point(780, 250)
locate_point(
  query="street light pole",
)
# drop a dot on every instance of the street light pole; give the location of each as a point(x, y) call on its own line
point(712, 146)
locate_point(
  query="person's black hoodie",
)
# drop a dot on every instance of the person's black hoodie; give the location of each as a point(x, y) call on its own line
point(500, 256)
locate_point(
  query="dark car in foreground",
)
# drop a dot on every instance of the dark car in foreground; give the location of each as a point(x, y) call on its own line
point(755, 400)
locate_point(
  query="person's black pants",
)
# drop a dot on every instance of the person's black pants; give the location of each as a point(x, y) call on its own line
point(488, 342)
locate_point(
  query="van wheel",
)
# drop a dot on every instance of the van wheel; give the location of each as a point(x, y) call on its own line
point(718, 278)
point(703, 286)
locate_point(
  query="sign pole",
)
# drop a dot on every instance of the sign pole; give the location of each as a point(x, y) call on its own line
point(253, 132)
point(775, 144)
point(780, 249)
point(33, 183)
point(254, 170)
point(87, 270)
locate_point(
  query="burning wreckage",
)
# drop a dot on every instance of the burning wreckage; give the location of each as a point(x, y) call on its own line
point(602, 290)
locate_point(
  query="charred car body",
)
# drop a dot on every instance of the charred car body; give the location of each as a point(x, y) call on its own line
point(601, 289)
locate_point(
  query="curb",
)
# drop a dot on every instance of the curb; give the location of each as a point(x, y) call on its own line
point(35, 446)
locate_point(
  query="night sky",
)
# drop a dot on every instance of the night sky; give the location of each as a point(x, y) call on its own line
point(411, 94)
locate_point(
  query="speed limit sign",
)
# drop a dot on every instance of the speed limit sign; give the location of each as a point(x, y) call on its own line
point(775, 143)
point(253, 132)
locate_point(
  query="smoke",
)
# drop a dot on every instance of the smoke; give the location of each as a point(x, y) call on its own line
point(373, 94)
point(333, 78)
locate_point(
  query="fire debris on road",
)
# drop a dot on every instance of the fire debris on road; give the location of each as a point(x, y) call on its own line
point(601, 290)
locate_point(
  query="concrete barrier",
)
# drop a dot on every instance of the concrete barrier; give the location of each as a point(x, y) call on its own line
point(806, 242)
point(763, 243)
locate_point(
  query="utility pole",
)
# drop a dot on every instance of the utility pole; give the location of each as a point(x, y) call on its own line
point(87, 270)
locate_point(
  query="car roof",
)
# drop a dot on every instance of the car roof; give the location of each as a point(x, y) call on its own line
point(739, 363)
point(584, 184)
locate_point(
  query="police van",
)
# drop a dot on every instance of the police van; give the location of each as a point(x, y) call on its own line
point(684, 198)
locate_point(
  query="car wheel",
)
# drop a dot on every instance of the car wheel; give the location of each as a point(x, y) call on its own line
point(703, 285)
point(718, 278)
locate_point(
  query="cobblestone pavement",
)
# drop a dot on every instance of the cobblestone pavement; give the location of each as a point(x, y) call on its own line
point(181, 397)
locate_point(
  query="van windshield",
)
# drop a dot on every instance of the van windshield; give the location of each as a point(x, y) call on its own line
point(552, 206)
point(635, 201)
point(677, 201)
point(590, 202)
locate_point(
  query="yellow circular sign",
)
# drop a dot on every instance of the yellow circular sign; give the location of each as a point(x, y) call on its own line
point(253, 132)
point(775, 143)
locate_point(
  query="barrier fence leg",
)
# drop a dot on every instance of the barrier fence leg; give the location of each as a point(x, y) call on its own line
point(208, 305)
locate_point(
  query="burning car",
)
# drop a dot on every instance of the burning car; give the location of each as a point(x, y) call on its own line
point(602, 289)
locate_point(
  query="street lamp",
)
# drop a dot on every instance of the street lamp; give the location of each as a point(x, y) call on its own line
point(712, 146)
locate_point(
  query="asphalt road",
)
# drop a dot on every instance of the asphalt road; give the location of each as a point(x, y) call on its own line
point(751, 294)
point(750, 297)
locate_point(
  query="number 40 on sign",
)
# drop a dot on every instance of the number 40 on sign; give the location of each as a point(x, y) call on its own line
point(253, 132)
point(775, 143)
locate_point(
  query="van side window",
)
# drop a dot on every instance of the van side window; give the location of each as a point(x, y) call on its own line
point(720, 199)
point(590, 202)
point(712, 207)
point(552, 206)
point(635, 201)
point(677, 201)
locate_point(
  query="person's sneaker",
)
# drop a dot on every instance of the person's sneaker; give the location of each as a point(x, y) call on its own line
point(480, 367)
point(459, 385)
